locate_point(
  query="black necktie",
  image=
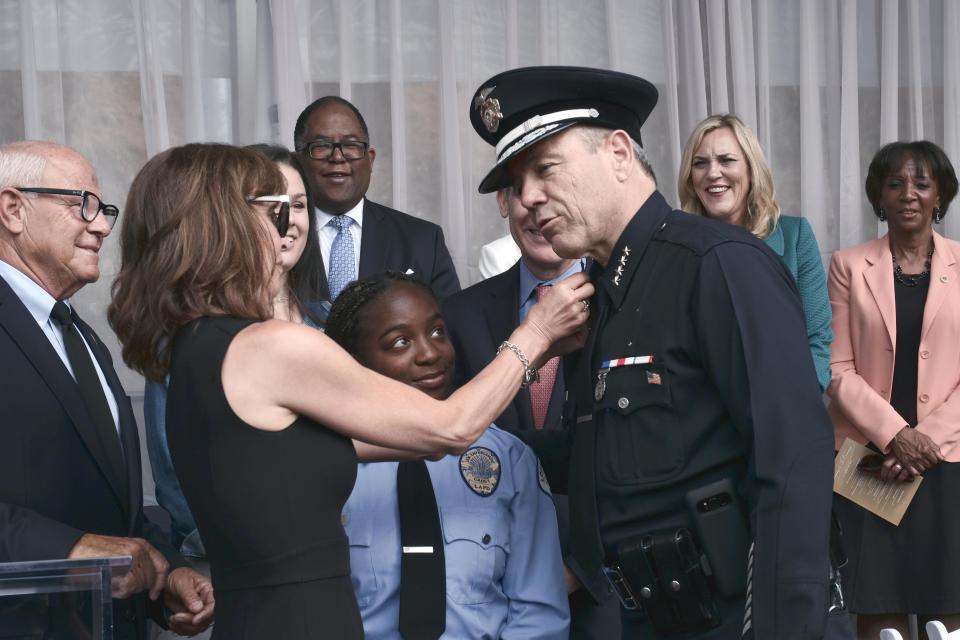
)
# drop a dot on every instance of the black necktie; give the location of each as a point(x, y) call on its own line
point(91, 390)
point(423, 575)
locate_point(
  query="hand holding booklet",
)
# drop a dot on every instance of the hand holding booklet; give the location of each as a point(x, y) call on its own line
point(889, 500)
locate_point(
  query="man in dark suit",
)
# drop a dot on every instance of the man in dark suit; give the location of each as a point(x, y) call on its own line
point(359, 237)
point(478, 319)
point(70, 479)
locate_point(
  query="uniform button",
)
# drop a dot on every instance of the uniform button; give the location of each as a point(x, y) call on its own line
point(924, 397)
point(486, 538)
point(623, 403)
point(646, 593)
point(924, 354)
point(674, 585)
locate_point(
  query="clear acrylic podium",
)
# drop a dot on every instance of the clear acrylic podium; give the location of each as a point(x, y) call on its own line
point(59, 598)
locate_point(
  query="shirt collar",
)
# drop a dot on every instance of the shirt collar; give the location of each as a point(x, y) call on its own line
point(629, 249)
point(34, 297)
point(356, 214)
point(529, 282)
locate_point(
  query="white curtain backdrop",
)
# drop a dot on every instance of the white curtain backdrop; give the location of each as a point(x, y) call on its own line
point(823, 82)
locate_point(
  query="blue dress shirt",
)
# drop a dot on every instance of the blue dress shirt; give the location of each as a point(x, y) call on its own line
point(503, 562)
point(529, 282)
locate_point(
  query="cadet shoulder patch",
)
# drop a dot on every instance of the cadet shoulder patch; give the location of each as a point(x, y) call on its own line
point(480, 469)
point(542, 479)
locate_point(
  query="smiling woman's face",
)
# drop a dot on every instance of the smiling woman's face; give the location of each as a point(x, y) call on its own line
point(908, 196)
point(293, 244)
point(721, 176)
point(401, 334)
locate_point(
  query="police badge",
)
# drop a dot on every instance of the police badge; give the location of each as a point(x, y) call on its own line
point(489, 108)
point(480, 469)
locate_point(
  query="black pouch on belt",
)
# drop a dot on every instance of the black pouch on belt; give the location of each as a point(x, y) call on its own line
point(665, 573)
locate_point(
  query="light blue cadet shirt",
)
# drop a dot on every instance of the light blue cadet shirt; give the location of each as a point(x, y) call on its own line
point(503, 563)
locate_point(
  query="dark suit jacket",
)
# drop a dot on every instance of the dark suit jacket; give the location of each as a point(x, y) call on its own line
point(478, 319)
point(396, 241)
point(55, 480)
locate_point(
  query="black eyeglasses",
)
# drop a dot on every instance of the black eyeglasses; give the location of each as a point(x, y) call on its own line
point(281, 212)
point(90, 203)
point(324, 149)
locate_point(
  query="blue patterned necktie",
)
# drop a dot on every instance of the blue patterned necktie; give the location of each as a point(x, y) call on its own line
point(342, 262)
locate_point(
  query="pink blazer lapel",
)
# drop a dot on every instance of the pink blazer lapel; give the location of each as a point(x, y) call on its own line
point(942, 273)
point(879, 277)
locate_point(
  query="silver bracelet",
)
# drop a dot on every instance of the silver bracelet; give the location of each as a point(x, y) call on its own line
point(530, 374)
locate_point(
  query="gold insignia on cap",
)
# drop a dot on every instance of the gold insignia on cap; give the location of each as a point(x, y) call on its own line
point(489, 109)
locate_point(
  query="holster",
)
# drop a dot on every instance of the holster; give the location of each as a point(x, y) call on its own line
point(662, 572)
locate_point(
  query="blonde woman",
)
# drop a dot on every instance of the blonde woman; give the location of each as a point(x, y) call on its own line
point(725, 176)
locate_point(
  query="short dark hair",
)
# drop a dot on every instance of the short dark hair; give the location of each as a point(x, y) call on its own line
point(345, 315)
point(301, 127)
point(308, 284)
point(892, 156)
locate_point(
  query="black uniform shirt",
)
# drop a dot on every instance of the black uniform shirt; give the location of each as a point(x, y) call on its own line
point(731, 392)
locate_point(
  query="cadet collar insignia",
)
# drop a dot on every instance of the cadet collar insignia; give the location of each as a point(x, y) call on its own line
point(620, 266)
point(542, 479)
point(480, 469)
point(489, 109)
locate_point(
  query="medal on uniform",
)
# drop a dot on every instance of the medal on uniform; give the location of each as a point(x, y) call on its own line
point(601, 387)
point(605, 367)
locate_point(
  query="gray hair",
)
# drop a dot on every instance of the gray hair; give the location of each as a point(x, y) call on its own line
point(594, 136)
point(21, 165)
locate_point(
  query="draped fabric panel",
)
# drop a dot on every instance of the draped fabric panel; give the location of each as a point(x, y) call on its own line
point(823, 82)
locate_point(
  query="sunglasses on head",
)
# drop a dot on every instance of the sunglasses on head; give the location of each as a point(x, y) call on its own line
point(281, 212)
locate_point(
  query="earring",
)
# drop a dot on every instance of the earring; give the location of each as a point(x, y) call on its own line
point(881, 214)
point(937, 215)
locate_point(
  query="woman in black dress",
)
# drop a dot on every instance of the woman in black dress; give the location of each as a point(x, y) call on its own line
point(896, 371)
point(261, 413)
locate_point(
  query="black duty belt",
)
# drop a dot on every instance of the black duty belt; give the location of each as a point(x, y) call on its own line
point(665, 574)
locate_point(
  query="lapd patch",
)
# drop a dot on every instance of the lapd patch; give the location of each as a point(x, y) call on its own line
point(480, 469)
point(542, 479)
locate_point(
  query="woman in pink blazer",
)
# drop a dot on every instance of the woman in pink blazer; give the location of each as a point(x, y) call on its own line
point(896, 370)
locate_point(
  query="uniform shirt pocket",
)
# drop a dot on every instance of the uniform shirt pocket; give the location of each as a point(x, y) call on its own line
point(477, 546)
point(639, 437)
point(363, 574)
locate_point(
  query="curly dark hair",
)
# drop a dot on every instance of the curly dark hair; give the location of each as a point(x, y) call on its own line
point(924, 154)
point(346, 313)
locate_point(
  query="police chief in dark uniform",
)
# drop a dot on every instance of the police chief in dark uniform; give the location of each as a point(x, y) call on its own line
point(698, 455)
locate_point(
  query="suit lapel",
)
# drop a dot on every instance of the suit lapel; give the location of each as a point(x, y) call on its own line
point(942, 273)
point(879, 279)
point(23, 330)
point(373, 241)
point(501, 316)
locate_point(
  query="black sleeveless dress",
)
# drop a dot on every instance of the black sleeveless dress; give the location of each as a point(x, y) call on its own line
point(267, 504)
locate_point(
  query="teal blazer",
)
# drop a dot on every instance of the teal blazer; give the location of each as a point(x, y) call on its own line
point(794, 242)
